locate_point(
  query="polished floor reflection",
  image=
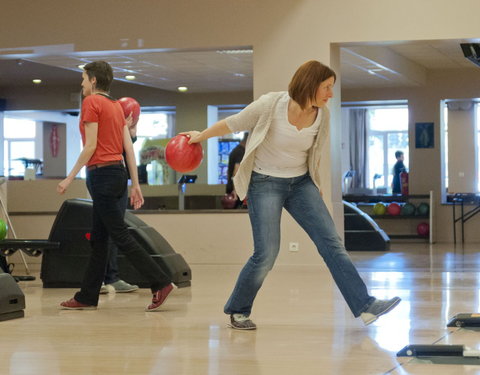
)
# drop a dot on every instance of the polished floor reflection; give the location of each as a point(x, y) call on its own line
point(304, 325)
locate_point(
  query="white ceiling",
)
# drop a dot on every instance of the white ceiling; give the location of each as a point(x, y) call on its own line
point(399, 64)
point(392, 64)
point(201, 71)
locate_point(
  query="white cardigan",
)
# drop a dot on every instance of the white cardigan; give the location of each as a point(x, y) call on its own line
point(256, 119)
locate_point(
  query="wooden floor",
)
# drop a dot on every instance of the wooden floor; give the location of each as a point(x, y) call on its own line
point(304, 326)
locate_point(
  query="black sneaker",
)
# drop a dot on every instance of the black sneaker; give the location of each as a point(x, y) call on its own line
point(243, 322)
point(378, 308)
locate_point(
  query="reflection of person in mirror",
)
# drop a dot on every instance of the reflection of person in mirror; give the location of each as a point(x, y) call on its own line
point(105, 136)
point(281, 169)
point(234, 160)
point(398, 168)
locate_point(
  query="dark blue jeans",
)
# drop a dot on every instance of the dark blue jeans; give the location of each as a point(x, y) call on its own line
point(267, 196)
point(107, 185)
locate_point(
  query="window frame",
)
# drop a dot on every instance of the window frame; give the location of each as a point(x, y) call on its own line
point(7, 144)
point(386, 172)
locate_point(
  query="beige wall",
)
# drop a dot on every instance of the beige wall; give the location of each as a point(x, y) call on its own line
point(41, 195)
point(201, 238)
point(283, 33)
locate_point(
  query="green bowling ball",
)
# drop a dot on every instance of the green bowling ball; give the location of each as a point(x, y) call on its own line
point(423, 209)
point(408, 209)
point(3, 229)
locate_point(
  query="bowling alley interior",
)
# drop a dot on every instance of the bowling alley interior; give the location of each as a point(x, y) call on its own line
point(399, 172)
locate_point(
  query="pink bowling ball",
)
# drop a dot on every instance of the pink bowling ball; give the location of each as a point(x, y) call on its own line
point(423, 229)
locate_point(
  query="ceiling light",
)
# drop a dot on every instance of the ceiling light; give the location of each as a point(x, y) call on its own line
point(182, 88)
point(235, 51)
point(130, 78)
point(81, 66)
point(37, 81)
point(239, 75)
point(374, 71)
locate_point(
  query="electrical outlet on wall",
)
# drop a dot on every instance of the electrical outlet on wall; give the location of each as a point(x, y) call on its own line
point(293, 246)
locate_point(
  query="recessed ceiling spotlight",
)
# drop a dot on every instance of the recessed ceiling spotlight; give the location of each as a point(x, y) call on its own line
point(37, 81)
point(130, 77)
point(182, 88)
point(81, 66)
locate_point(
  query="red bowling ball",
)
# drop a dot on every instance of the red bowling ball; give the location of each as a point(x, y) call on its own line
point(130, 105)
point(229, 201)
point(181, 156)
point(394, 209)
point(423, 229)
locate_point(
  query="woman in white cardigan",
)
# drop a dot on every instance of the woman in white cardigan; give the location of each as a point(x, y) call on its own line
point(280, 169)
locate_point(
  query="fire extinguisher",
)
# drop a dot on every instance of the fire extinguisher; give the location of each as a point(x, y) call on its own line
point(404, 182)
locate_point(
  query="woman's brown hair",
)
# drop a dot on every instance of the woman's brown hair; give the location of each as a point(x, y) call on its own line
point(306, 80)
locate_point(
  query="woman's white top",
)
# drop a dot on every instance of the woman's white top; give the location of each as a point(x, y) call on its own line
point(284, 151)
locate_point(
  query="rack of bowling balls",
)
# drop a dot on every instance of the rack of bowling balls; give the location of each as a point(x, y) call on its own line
point(405, 210)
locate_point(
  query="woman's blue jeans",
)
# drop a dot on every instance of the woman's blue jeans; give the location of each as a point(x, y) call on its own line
point(106, 186)
point(267, 196)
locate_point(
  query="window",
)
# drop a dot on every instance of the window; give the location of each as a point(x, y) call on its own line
point(445, 145)
point(477, 127)
point(387, 132)
point(219, 148)
point(153, 130)
point(153, 125)
point(460, 120)
point(226, 144)
point(19, 142)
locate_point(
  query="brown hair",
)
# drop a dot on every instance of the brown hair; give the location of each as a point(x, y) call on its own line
point(306, 80)
point(102, 71)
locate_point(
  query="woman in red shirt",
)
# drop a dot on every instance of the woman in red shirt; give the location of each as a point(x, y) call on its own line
point(105, 136)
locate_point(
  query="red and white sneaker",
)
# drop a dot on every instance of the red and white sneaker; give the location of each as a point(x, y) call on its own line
point(73, 304)
point(159, 297)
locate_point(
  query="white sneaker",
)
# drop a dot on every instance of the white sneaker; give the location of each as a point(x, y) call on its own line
point(121, 286)
point(105, 289)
